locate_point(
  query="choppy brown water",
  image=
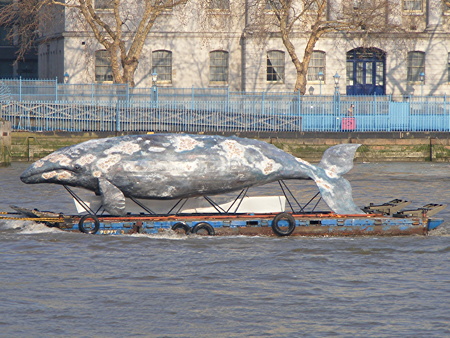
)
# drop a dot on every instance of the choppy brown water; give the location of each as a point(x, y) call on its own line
point(74, 285)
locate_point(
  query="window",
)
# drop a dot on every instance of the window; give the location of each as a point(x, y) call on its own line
point(275, 66)
point(416, 65)
point(273, 4)
point(103, 70)
point(316, 65)
point(446, 6)
point(312, 6)
point(363, 4)
point(448, 68)
point(162, 65)
point(104, 4)
point(218, 66)
point(166, 5)
point(219, 4)
point(5, 2)
point(6, 68)
point(3, 37)
point(28, 69)
point(412, 5)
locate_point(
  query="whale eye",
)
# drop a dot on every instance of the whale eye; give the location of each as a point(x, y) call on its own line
point(77, 167)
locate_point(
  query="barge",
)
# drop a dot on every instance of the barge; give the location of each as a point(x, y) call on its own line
point(387, 219)
point(149, 171)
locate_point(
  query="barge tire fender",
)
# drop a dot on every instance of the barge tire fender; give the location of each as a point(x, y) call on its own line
point(93, 230)
point(203, 226)
point(182, 225)
point(279, 231)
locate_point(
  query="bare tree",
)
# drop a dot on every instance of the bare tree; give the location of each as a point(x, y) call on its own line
point(122, 29)
point(312, 19)
point(20, 20)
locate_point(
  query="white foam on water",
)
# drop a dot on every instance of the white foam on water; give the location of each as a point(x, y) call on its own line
point(38, 228)
point(164, 235)
point(26, 227)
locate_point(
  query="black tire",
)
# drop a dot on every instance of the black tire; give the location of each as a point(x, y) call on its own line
point(87, 229)
point(203, 226)
point(181, 225)
point(281, 231)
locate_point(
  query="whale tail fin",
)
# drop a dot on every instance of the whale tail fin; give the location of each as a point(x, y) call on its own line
point(336, 190)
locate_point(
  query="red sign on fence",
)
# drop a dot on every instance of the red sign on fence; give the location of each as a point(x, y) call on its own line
point(348, 123)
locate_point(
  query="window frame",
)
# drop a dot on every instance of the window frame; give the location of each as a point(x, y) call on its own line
point(108, 72)
point(277, 75)
point(212, 6)
point(104, 9)
point(413, 71)
point(446, 7)
point(448, 68)
point(408, 10)
point(163, 65)
point(313, 77)
point(214, 69)
point(270, 8)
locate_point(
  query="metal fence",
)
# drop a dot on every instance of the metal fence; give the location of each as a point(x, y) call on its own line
point(227, 116)
point(45, 105)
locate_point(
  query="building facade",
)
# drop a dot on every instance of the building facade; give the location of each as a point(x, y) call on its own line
point(9, 68)
point(214, 46)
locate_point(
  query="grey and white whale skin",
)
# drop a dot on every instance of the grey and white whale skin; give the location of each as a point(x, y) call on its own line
point(173, 166)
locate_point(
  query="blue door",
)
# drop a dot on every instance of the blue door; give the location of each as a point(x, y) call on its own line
point(366, 73)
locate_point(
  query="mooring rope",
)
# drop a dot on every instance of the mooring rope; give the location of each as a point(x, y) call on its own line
point(34, 219)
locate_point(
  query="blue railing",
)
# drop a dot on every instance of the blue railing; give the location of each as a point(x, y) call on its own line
point(227, 116)
point(45, 105)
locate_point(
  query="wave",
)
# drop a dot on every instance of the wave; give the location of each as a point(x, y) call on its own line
point(25, 227)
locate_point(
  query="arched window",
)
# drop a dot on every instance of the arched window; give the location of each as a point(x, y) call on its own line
point(162, 65)
point(103, 70)
point(416, 66)
point(218, 66)
point(275, 66)
point(316, 65)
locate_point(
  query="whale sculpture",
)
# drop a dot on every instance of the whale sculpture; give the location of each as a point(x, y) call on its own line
point(173, 166)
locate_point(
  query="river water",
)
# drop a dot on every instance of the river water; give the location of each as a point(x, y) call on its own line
point(76, 285)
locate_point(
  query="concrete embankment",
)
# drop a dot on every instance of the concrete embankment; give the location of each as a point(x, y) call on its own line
point(5, 143)
point(376, 147)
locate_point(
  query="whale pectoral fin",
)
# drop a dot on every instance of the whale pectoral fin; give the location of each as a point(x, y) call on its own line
point(113, 200)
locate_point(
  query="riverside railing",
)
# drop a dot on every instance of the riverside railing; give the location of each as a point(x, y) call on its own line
point(248, 113)
point(44, 105)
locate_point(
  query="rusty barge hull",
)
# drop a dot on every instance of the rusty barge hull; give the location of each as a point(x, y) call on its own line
point(282, 224)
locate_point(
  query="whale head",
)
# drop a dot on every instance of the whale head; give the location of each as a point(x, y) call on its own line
point(72, 166)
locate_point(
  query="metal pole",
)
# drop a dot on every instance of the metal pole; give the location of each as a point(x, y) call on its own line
point(336, 106)
point(20, 88)
point(117, 118)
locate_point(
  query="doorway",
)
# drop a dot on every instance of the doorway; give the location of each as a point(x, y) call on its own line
point(366, 71)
